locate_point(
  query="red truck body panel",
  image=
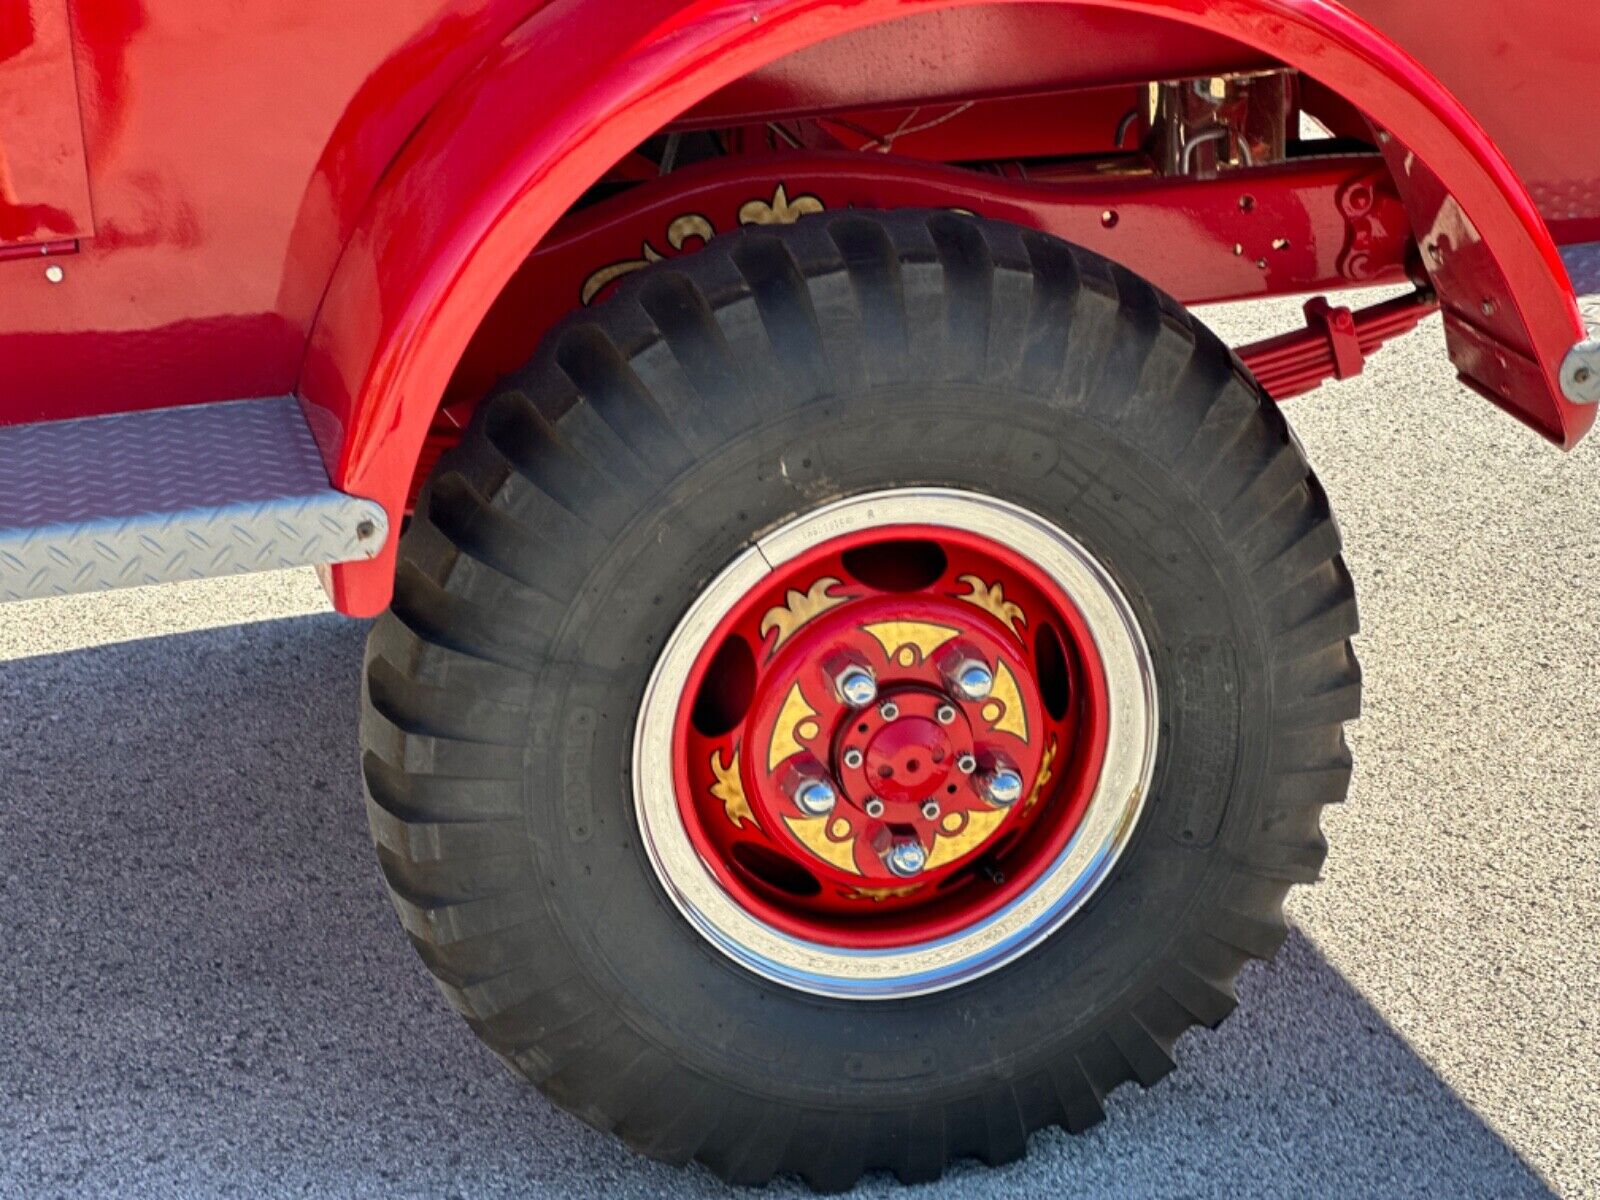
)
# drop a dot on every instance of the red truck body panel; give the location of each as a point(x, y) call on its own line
point(225, 188)
point(44, 183)
point(229, 147)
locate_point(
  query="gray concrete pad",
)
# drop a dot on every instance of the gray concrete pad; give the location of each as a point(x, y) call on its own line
point(203, 991)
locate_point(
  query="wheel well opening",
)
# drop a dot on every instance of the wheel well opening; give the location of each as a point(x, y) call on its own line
point(1042, 95)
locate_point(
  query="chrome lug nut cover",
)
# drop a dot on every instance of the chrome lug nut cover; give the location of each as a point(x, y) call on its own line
point(966, 764)
point(856, 686)
point(1002, 786)
point(969, 678)
point(905, 857)
point(815, 797)
point(930, 810)
point(873, 807)
point(852, 758)
point(889, 710)
point(945, 713)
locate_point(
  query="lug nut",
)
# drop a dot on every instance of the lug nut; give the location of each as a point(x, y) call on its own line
point(815, 797)
point(874, 807)
point(930, 810)
point(852, 758)
point(966, 764)
point(905, 857)
point(969, 678)
point(856, 686)
point(944, 714)
point(1002, 786)
point(889, 710)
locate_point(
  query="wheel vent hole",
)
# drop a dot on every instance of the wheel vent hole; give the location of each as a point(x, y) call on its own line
point(773, 869)
point(1050, 666)
point(729, 686)
point(907, 565)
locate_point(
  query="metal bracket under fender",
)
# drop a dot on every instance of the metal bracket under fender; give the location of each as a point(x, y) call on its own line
point(172, 494)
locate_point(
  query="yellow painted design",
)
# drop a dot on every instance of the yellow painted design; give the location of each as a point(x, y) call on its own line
point(952, 822)
point(814, 836)
point(729, 788)
point(1045, 770)
point(799, 607)
point(807, 730)
point(980, 826)
point(920, 637)
point(907, 656)
point(597, 282)
point(839, 829)
point(1013, 718)
point(992, 711)
point(690, 225)
point(791, 716)
point(992, 599)
point(879, 894)
point(781, 211)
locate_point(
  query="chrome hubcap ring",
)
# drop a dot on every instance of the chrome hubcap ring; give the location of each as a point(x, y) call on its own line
point(1082, 865)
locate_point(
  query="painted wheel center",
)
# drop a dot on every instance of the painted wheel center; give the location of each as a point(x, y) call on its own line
point(882, 742)
point(908, 760)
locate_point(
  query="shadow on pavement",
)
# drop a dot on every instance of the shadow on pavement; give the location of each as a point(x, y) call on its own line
point(203, 989)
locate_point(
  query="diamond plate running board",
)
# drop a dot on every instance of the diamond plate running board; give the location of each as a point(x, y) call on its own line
point(177, 493)
point(1580, 369)
point(1583, 268)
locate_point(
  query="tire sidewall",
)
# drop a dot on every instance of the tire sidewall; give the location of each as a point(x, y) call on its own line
point(671, 987)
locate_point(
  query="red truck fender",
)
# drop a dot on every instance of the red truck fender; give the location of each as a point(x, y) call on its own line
point(579, 84)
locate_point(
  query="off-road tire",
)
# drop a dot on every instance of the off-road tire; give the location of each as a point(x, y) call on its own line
point(654, 436)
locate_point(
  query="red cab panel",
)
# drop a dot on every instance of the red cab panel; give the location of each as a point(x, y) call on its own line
point(44, 184)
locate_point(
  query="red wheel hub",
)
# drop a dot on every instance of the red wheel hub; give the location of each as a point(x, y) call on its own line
point(907, 760)
point(891, 737)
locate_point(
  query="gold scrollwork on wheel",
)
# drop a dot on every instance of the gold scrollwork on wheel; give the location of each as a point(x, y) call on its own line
point(1046, 769)
point(879, 894)
point(815, 835)
point(792, 717)
point(729, 788)
point(963, 834)
point(780, 210)
point(992, 599)
point(921, 638)
point(798, 608)
point(1003, 709)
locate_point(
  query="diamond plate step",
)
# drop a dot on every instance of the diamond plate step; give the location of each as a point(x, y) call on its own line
point(177, 493)
point(1583, 268)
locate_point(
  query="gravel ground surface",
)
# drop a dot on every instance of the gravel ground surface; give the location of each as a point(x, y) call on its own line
point(205, 993)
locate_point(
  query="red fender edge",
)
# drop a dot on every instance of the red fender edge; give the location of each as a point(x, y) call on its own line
point(474, 191)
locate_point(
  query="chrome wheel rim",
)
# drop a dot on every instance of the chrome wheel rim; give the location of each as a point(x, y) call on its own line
point(1082, 866)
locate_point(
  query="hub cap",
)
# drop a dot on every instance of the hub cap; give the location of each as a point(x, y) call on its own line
point(895, 744)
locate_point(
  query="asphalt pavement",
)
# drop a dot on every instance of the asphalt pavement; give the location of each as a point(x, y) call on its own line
point(203, 990)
